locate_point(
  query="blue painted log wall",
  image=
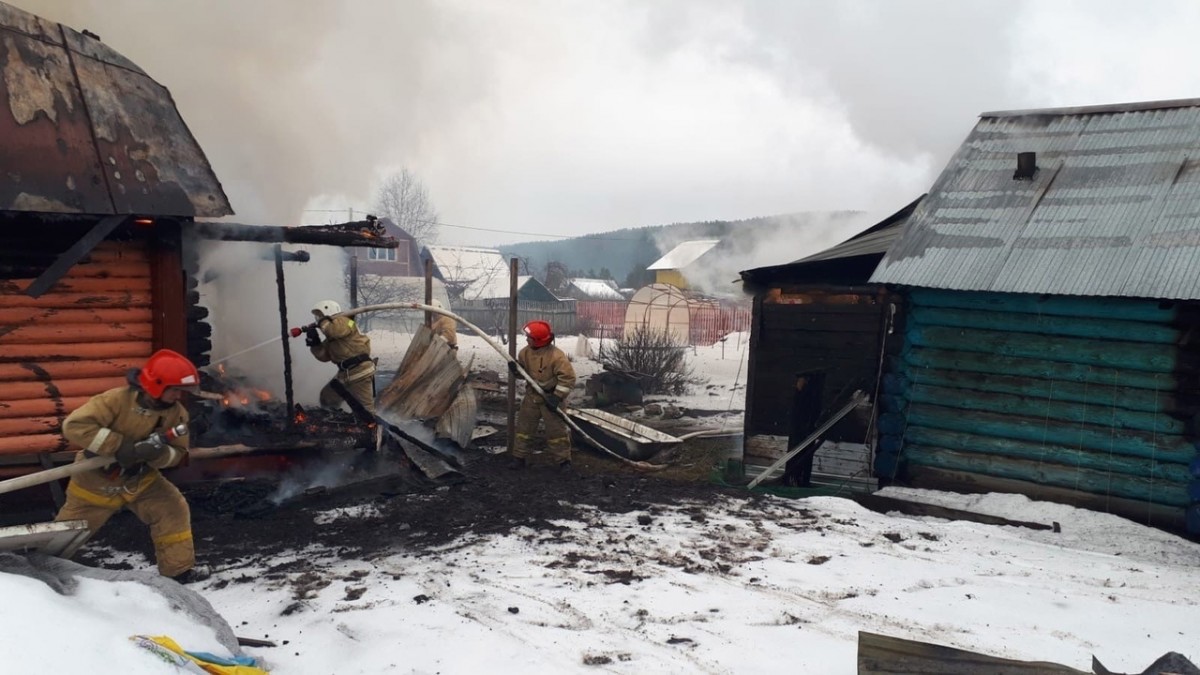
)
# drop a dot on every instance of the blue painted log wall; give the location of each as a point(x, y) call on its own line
point(1072, 392)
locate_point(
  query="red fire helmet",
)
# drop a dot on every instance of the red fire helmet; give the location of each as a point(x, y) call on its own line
point(539, 334)
point(166, 368)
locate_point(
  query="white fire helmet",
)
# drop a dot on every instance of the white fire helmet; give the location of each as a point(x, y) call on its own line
point(326, 308)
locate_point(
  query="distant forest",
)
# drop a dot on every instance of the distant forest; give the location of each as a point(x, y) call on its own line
point(626, 253)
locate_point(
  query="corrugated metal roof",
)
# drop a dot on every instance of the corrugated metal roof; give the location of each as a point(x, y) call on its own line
point(875, 239)
point(1113, 209)
point(481, 273)
point(684, 254)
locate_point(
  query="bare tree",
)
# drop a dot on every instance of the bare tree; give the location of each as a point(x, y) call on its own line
point(402, 197)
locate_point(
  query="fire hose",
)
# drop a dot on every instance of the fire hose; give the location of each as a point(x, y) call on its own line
point(98, 462)
point(644, 466)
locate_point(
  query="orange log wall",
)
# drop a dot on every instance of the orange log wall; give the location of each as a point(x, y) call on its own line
point(76, 340)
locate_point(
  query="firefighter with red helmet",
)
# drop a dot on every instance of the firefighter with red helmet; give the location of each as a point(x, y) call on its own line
point(349, 349)
point(127, 423)
point(549, 367)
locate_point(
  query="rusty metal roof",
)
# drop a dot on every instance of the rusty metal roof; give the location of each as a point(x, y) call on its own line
point(87, 131)
point(1113, 208)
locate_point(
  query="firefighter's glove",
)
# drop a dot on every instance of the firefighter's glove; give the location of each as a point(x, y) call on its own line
point(130, 455)
point(311, 337)
point(512, 368)
point(552, 401)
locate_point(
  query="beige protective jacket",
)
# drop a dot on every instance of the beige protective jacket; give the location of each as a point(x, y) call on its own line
point(100, 425)
point(447, 328)
point(550, 368)
point(343, 341)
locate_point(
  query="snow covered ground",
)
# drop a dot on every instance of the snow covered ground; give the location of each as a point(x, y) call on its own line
point(761, 586)
point(723, 585)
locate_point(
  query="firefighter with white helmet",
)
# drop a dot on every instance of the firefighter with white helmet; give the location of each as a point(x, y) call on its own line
point(348, 349)
point(128, 423)
point(549, 367)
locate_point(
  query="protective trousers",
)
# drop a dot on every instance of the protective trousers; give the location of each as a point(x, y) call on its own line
point(360, 382)
point(94, 497)
point(558, 435)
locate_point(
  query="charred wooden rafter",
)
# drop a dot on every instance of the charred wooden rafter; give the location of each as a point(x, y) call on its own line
point(368, 233)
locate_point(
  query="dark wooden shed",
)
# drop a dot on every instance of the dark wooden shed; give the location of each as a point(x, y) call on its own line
point(817, 322)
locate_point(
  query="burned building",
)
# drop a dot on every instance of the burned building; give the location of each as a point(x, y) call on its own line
point(100, 177)
point(102, 185)
point(817, 333)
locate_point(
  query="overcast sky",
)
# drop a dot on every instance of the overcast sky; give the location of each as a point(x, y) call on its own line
point(576, 116)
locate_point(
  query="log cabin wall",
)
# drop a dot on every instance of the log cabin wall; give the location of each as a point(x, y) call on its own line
point(103, 317)
point(1090, 401)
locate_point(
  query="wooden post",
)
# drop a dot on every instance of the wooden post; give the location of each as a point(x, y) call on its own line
point(354, 281)
point(283, 332)
point(429, 289)
point(512, 352)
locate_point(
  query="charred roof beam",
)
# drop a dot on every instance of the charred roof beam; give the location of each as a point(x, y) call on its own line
point(362, 233)
point(67, 259)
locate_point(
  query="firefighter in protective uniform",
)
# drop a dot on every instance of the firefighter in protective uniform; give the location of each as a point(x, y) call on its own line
point(549, 367)
point(444, 327)
point(119, 423)
point(348, 349)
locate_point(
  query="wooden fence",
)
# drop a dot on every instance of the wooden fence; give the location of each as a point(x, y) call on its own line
point(709, 323)
point(492, 315)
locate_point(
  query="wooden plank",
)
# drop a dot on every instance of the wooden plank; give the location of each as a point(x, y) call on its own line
point(976, 362)
point(1146, 513)
point(1100, 438)
point(1042, 324)
point(19, 391)
point(1102, 353)
point(81, 285)
point(64, 352)
point(74, 254)
point(111, 299)
point(1106, 414)
point(67, 333)
point(10, 316)
point(884, 655)
point(67, 370)
point(767, 446)
point(1103, 308)
point(1102, 483)
point(885, 505)
point(16, 445)
point(1061, 454)
point(39, 407)
point(131, 269)
point(1132, 398)
point(26, 426)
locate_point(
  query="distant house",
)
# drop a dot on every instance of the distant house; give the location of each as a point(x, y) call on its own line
point(531, 290)
point(599, 305)
point(672, 267)
point(593, 290)
point(470, 273)
point(402, 261)
point(1050, 294)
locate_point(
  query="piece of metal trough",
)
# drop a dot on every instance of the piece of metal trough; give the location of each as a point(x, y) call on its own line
point(624, 437)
